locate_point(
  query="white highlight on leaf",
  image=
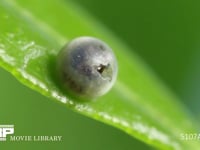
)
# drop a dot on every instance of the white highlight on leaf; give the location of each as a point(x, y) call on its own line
point(33, 80)
point(56, 95)
point(124, 123)
point(114, 119)
point(82, 107)
point(30, 49)
point(28, 45)
point(36, 82)
point(105, 115)
point(32, 53)
point(5, 57)
point(154, 134)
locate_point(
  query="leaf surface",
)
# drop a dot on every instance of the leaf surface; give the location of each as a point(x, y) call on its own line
point(33, 32)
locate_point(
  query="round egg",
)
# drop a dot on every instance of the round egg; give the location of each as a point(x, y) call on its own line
point(87, 67)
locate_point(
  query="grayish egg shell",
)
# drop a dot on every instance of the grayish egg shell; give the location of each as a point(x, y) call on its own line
point(87, 67)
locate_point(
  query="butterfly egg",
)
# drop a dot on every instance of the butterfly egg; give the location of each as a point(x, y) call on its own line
point(87, 67)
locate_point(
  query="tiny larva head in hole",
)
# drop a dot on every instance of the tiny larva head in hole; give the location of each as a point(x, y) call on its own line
point(87, 67)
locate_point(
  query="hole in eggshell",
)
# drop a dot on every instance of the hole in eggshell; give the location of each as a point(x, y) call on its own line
point(105, 71)
point(101, 68)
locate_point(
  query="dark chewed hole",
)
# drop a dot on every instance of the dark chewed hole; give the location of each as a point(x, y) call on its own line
point(101, 68)
point(105, 71)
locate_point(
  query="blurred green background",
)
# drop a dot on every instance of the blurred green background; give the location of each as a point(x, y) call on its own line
point(165, 34)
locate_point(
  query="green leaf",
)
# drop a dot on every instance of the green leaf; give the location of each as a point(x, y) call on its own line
point(33, 32)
